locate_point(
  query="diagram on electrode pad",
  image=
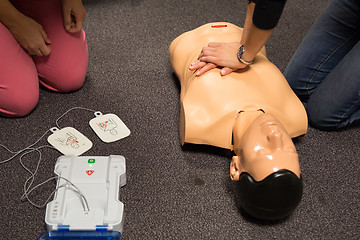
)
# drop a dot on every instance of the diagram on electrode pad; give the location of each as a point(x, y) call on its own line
point(70, 140)
point(108, 126)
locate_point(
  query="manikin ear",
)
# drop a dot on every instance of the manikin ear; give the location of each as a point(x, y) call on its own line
point(235, 168)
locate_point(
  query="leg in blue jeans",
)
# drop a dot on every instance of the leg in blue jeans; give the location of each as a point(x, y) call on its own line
point(325, 69)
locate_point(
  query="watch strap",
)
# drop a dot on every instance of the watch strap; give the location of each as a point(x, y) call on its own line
point(240, 54)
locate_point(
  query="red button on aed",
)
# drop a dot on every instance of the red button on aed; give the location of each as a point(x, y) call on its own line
point(89, 172)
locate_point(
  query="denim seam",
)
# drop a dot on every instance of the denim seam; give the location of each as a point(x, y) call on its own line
point(327, 58)
point(346, 113)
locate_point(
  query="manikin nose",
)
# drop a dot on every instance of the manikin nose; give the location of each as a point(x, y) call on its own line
point(275, 141)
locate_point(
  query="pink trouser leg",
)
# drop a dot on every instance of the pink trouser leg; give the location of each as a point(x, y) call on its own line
point(64, 70)
point(19, 84)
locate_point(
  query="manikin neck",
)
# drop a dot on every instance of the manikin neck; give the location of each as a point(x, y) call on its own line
point(242, 122)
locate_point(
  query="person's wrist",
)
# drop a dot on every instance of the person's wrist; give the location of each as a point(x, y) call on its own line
point(243, 57)
point(12, 19)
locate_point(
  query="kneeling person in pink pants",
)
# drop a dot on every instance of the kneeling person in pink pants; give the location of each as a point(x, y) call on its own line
point(40, 41)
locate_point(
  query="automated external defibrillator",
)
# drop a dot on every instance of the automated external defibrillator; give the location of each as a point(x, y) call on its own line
point(86, 203)
point(86, 198)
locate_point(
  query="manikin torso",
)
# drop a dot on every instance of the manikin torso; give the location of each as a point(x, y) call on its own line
point(211, 103)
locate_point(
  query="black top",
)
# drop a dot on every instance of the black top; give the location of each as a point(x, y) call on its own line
point(267, 13)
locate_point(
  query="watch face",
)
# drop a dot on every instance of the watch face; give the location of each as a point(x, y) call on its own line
point(240, 56)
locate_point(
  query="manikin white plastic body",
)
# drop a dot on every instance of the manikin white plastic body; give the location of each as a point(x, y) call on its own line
point(99, 182)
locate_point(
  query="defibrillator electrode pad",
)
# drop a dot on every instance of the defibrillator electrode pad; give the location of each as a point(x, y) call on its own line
point(109, 127)
point(69, 141)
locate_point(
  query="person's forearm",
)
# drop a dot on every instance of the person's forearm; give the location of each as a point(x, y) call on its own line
point(9, 15)
point(253, 38)
point(248, 22)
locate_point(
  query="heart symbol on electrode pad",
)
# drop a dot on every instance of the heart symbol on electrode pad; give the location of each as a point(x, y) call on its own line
point(89, 172)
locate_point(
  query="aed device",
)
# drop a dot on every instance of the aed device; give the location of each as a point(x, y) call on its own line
point(86, 203)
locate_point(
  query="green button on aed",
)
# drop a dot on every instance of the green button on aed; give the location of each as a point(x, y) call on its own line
point(91, 160)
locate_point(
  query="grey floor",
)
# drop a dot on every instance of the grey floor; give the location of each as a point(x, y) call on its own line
point(176, 192)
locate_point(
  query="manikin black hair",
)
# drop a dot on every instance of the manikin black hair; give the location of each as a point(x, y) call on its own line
point(273, 198)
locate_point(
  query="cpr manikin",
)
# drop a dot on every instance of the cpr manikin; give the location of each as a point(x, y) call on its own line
point(253, 112)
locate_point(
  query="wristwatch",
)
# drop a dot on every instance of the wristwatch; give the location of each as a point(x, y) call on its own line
point(240, 56)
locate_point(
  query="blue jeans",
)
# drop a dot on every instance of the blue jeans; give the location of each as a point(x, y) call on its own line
point(325, 69)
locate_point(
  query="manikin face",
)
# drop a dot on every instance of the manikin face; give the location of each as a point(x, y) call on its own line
point(264, 148)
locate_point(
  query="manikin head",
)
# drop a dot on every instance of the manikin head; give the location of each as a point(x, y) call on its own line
point(264, 148)
point(266, 169)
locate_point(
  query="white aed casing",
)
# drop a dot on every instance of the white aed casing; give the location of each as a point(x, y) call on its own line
point(99, 180)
